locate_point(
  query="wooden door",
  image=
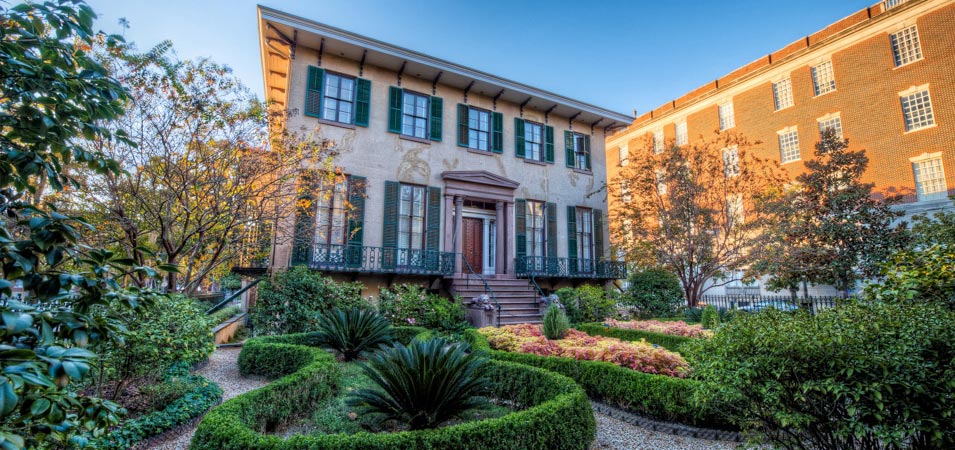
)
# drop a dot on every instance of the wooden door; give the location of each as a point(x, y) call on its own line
point(473, 236)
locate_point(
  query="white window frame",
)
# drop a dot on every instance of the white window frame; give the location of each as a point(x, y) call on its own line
point(939, 181)
point(926, 118)
point(623, 152)
point(735, 210)
point(682, 135)
point(410, 120)
point(906, 47)
point(727, 116)
point(889, 4)
point(783, 137)
point(823, 78)
point(731, 161)
point(783, 94)
point(658, 144)
point(836, 117)
point(625, 193)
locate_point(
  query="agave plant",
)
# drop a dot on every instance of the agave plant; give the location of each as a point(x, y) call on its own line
point(352, 332)
point(424, 384)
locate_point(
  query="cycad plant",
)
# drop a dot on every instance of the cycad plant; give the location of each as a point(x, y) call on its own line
point(555, 322)
point(352, 332)
point(424, 384)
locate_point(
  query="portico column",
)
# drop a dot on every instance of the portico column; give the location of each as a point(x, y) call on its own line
point(448, 245)
point(499, 238)
point(511, 247)
point(458, 238)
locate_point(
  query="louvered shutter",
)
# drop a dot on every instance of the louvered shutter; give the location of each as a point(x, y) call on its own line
point(437, 113)
point(572, 238)
point(389, 239)
point(395, 95)
point(362, 102)
point(497, 132)
point(462, 125)
point(519, 137)
point(549, 144)
point(356, 220)
point(313, 91)
point(569, 148)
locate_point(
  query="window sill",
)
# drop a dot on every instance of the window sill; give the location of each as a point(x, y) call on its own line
point(784, 108)
point(414, 139)
point(348, 126)
point(536, 162)
point(909, 63)
point(480, 152)
point(790, 162)
point(583, 172)
point(824, 93)
point(927, 127)
point(723, 129)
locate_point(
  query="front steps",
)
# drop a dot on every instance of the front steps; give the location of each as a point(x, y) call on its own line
point(517, 297)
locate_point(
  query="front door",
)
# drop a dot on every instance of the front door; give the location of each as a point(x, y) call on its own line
point(474, 243)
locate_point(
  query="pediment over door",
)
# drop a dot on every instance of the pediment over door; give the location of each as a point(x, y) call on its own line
point(479, 184)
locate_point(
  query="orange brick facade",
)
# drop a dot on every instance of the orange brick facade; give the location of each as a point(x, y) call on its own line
point(866, 98)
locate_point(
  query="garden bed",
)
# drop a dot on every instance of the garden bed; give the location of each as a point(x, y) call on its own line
point(668, 341)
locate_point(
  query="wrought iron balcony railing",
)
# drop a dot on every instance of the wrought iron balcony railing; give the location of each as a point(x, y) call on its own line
point(359, 258)
point(556, 267)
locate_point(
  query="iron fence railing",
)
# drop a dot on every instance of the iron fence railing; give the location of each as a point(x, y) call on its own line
point(557, 267)
point(360, 258)
point(760, 302)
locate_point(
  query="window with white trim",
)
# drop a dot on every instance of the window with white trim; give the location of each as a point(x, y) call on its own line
point(917, 108)
point(905, 46)
point(479, 129)
point(658, 141)
point(533, 140)
point(823, 79)
point(734, 210)
point(727, 120)
point(783, 93)
point(889, 4)
point(624, 155)
point(830, 121)
point(682, 137)
point(411, 220)
point(625, 191)
point(789, 145)
point(339, 98)
point(731, 161)
point(414, 115)
point(930, 178)
point(535, 228)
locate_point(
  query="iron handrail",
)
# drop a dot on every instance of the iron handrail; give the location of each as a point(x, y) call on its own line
point(487, 287)
point(537, 286)
point(231, 297)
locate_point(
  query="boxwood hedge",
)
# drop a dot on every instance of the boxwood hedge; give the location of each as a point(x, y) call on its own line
point(557, 414)
point(667, 341)
point(656, 396)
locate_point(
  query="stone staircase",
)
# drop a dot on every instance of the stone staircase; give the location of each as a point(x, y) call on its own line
point(517, 297)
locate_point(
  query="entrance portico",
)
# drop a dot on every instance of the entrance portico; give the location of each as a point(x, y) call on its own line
point(486, 202)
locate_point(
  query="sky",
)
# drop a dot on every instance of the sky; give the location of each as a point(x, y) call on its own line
point(617, 54)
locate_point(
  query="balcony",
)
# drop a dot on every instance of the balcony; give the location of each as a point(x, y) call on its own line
point(555, 267)
point(362, 259)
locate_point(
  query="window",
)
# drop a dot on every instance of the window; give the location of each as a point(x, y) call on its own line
point(830, 121)
point(734, 209)
point(479, 128)
point(789, 145)
point(930, 178)
point(411, 206)
point(658, 141)
point(414, 115)
point(625, 191)
point(917, 108)
point(731, 161)
point(339, 98)
point(624, 155)
point(577, 147)
point(905, 46)
point(533, 141)
point(727, 120)
point(889, 4)
point(331, 214)
point(682, 137)
point(585, 239)
point(823, 80)
point(783, 93)
point(661, 181)
point(534, 229)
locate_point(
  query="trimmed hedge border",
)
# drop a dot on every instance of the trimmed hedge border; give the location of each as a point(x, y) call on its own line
point(559, 415)
point(180, 411)
point(667, 341)
point(656, 396)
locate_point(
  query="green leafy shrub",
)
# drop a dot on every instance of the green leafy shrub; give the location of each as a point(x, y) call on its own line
point(920, 275)
point(555, 412)
point(424, 384)
point(291, 301)
point(223, 314)
point(710, 318)
point(408, 304)
point(653, 293)
point(352, 332)
point(588, 303)
point(555, 323)
point(404, 334)
point(667, 341)
point(863, 375)
point(693, 315)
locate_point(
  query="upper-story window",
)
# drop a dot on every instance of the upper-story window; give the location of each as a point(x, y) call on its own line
point(624, 155)
point(577, 150)
point(682, 136)
point(929, 177)
point(905, 46)
point(783, 93)
point(830, 121)
point(889, 4)
point(414, 115)
point(479, 129)
point(337, 98)
point(823, 79)
point(789, 145)
point(917, 108)
point(658, 141)
point(727, 118)
point(533, 141)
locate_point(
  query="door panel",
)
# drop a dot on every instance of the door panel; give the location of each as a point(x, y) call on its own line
point(473, 240)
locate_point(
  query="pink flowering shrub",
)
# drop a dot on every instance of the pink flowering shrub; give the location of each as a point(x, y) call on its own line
point(639, 356)
point(678, 328)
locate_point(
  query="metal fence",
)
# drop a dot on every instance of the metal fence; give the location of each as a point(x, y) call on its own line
point(760, 302)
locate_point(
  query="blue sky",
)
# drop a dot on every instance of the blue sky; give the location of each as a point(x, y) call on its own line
point(618, 54)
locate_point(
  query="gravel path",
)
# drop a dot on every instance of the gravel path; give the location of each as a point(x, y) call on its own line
point(618, 435)
point(222, 370)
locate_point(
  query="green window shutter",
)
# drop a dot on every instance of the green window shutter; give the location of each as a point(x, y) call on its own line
point(587, 150)
point(313, 92)
point(389, 239)
point(356, 220)
point(303, 235)
point(572, 237)
point(519, 137)
point(462, 125)
point(549, 144)
point(395, 95)
point(520, 230)
point(497, 132)
point(433, 237)
point(437, 112)
point(598, 235)
point(362, 102)
point(569, 147)
point(551, 236)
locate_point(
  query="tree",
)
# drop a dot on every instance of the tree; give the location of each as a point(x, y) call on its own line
point(939, 228)
point(828, 228)
point(53, 98)
point(690, 209)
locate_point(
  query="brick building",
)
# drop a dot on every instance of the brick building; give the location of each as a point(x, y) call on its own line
point(883, 77)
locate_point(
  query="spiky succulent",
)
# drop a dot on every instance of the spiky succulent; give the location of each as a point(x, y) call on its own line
point(352, 332)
